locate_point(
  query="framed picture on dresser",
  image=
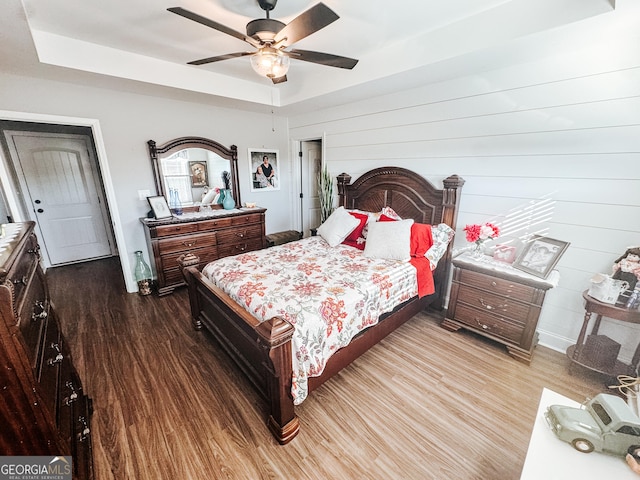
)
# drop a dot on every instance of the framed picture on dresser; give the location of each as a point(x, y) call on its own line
point(159, 207)
point(265, 170)
point(540, 255)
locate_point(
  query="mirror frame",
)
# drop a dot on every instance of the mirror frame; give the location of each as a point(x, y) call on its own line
point(157, 153)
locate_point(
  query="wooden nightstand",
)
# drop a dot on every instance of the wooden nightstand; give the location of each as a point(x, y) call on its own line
point(497, 301)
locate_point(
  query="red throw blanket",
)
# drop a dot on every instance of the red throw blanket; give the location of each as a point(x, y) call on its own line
point(421, 241)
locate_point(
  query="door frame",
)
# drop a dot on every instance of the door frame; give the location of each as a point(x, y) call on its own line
point(297, 174)
point(12, 198)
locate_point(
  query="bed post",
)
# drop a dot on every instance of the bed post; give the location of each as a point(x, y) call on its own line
point(275, 337)
point(450, 204)
point(189, 264)
point(343, 180)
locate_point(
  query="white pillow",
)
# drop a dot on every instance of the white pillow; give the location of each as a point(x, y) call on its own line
point(338, 226)
point(389, 240)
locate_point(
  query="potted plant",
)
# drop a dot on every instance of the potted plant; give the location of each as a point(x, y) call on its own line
point(325, 194)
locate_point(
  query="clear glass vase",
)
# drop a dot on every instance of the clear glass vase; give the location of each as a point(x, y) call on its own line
point(142, 273)
point(477, 251)
point(174, 201)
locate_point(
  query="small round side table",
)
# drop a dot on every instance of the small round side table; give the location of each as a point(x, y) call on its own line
point(590, 357)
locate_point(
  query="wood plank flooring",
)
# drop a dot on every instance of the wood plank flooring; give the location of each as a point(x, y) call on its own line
point(425, 403)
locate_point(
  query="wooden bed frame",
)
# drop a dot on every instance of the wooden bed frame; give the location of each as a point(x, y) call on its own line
point(262, 350)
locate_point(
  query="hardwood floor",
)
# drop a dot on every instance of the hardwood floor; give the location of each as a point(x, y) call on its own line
point(425, 403)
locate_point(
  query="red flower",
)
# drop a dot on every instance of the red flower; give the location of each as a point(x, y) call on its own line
point(479, 233)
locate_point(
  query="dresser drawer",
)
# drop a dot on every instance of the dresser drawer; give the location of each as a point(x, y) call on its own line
point(33, 314)
point(489, 324)
point(20, 276)
point(206, 255)
point(70, 395)
point(239, 247)
point(498, 286)
point(493, 304)
point(214, 224)
point(246, 219)
point(176, 229)
point(239, 235)
point(186, 242)
point(52, 358)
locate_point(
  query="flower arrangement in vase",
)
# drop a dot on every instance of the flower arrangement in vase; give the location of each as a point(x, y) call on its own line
point(480, 233)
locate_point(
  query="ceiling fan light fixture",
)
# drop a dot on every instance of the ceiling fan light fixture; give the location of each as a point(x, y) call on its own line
point(270, 63)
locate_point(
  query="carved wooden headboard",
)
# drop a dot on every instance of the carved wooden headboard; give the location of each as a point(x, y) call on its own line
point(410, 196)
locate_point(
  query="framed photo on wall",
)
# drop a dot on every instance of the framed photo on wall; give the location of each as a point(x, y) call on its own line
point(540, 255)
point(265, 170)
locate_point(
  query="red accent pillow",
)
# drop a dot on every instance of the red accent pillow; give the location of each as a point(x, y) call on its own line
point(352, 239)
point(384, 218)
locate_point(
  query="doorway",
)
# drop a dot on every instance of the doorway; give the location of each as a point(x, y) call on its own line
point(59, 184)
point(310, 154)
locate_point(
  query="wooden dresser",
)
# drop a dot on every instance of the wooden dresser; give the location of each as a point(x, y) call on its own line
point(44, 410)
point(210, 236)
point(497, 301)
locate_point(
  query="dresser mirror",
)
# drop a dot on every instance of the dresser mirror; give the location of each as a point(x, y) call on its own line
point(197, 168)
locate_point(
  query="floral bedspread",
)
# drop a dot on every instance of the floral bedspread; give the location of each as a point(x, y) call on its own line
point(328, 294)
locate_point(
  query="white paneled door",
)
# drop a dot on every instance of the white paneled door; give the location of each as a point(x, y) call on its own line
point(61, 181)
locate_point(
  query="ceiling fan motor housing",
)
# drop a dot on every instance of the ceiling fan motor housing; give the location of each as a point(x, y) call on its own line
point(263, 29)
point(267, 5)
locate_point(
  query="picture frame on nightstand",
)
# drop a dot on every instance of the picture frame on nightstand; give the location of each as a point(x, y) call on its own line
point(504, 253)
point(540, 255)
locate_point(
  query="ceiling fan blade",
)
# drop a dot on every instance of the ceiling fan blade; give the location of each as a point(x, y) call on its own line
point(215, 25)
point(322, 58)
point(277, 80)
point(308, 22)
point(219, 58)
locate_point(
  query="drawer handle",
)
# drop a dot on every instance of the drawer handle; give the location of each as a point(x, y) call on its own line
point(491, 307)
point(241, 235)
point(189, 244)
point(494, 284)
point(241, 248)
point(58, 358)
point(483, 326)
point(38, 316)
point(73, 396)
point(22, 280)
point(84, 434)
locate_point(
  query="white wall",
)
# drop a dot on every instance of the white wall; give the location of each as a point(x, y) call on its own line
point(565, 129)
point(127, 121)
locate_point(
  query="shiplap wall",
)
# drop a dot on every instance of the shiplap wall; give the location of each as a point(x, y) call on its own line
point(564, 130)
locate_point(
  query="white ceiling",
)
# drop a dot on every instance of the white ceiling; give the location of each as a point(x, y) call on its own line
point(135, 44)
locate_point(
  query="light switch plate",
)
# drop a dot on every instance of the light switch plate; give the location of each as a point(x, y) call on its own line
point(143, 194)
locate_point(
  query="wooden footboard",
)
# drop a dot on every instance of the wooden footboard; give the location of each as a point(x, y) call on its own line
point(262, 350)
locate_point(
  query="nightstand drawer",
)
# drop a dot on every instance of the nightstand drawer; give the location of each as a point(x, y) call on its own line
point(498, 286)
point(493, 304)
point(489, 324)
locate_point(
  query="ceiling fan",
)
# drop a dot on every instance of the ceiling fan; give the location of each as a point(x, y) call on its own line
point(271, 38)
